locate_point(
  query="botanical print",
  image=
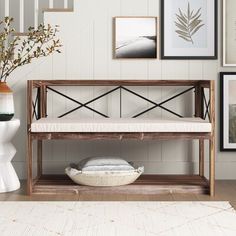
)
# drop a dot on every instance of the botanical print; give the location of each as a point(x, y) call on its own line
point(189, 29)
point(135, 37)
point(188, 23)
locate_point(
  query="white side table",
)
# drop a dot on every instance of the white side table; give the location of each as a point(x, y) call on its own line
point(8, 177)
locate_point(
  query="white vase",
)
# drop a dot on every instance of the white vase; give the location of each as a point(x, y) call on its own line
point(6, 102)
point(8, 178)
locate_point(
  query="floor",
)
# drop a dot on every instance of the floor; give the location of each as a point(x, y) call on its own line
point(225, 191)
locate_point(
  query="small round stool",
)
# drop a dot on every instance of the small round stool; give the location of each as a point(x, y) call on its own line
point(8, 178)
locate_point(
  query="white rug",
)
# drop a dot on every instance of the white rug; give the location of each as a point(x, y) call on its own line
point(117, 219)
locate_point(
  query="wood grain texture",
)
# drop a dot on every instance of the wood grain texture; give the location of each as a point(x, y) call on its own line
point(29, 104)
point(212, 140)
point(153, 183)
point(39, 157)
point(29, 140)
point(146, 184)
point(57, 10)
point(201, 157)
point(120, 136)
point(117, 82)
point(225, 191)
point(29, 165)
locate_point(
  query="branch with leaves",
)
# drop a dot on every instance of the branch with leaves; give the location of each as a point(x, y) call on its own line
point(18, 51)
point(188, 23)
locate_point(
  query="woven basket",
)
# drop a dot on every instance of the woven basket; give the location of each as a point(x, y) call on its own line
point(102, 179)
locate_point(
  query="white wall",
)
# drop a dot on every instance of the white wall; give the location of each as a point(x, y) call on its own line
point(87, 54)
point(29, 11)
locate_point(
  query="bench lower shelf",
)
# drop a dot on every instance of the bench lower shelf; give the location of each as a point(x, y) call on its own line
point(146, 184)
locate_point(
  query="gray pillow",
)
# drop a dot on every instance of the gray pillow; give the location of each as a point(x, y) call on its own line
point(104, 164)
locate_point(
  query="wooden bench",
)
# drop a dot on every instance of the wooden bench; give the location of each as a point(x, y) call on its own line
point(39, 128)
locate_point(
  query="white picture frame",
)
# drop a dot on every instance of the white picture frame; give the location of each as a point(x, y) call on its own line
point(229, 19)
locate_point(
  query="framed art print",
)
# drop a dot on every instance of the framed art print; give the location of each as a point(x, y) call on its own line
point(228, 111)
point(189, 29)
point(229, 33)
point(135, 37)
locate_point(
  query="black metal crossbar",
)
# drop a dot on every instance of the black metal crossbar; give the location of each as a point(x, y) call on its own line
point(35, 105)
point(85, 104)
point(161, 103)
point(120, 88)
point(207, 105)
point(81, 104)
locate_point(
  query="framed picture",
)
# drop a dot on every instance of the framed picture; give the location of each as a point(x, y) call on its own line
point(135, 37)
point(229, 33)
point(189, 29)
point(228, 111)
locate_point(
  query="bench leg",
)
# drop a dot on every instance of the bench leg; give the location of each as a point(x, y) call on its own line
point(212, 166)
point(29, 165)
point(201, 157)
point(39, 158)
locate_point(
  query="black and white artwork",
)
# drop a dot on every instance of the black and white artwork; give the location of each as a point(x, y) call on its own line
point(228, 111)
point(135, 37)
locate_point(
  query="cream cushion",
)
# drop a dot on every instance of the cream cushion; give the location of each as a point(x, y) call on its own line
point(120, 125)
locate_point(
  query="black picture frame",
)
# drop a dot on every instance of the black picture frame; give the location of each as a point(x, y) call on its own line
point(213, 57)
point(222, 113)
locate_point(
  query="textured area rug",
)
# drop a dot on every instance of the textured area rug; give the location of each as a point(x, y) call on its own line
point(117, 218)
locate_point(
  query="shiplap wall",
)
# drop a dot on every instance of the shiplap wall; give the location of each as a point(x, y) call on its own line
point(87, 54)
point(29, 11)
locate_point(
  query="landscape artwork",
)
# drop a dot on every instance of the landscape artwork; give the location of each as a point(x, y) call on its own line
point(232, 111)
point(228, 111)
point(135, 37)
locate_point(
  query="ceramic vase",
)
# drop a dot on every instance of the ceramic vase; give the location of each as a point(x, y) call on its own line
point(8, 178)
point(6, 102)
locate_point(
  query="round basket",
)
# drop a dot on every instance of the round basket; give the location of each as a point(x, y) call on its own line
point(102, 179)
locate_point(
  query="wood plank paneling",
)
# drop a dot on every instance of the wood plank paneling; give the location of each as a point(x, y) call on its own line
point(42, 4)
point(58, 3)
point(2, 11)
point(15, 13)
point(86, 56)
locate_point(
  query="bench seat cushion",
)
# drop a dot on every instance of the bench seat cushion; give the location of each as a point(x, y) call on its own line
point(100, 125)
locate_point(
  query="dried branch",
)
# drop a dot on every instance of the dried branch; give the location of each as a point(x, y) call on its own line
point(16, 51)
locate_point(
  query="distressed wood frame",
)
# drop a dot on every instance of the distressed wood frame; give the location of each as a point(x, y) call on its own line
point(147, 184)
point(157, 31)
